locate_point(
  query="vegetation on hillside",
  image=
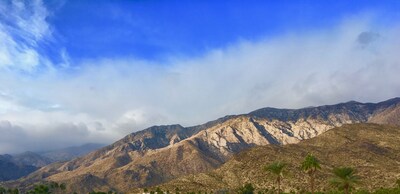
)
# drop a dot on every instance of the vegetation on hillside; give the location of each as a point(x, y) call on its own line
point(49, 188)
point(342, 181)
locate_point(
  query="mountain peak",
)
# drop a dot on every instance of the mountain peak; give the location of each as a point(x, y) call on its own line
point(353, 102)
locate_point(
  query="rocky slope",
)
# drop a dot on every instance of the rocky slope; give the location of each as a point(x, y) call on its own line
point(162, 153)
point(389, 115)
point(370, 148)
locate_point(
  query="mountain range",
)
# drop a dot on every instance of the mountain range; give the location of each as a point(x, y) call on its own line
point(160, 154)
point(19, 165)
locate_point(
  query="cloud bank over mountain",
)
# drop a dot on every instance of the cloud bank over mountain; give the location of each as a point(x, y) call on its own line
point(46, 104)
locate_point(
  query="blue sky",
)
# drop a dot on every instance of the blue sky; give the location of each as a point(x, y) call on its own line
point(155, 30)
point(74, 72)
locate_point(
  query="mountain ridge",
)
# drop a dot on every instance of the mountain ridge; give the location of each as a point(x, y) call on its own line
point(162, 153)
point(27, 162)
point(68, 153)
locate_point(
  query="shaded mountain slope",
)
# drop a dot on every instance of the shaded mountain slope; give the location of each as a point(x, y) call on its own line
point(19, 165)
point(370, 148)
point(70, 153)
point(31, 159)
point(10, 170)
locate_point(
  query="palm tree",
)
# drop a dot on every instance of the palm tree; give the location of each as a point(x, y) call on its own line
point(345, 179)
point(310, 165)
point(277, 168)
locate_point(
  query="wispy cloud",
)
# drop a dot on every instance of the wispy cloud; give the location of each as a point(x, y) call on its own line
point(104, 99)
point(23, 29)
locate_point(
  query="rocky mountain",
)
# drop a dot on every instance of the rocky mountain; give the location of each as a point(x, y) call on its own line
point(19, 165)
point(31, 159)
point(372, 149)
point(162, 153)
point(9, 169)
point(70, 153)
point(389, 115)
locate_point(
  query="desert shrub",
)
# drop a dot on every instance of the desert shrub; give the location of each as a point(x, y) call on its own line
point(246, 189)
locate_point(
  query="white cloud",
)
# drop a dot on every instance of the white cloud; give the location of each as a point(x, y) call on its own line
point(23, 27)
point(105, 99)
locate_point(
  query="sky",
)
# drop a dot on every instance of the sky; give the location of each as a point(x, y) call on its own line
point(73, 72)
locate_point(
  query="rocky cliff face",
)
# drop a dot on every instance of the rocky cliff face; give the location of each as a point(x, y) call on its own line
point(162, 153)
